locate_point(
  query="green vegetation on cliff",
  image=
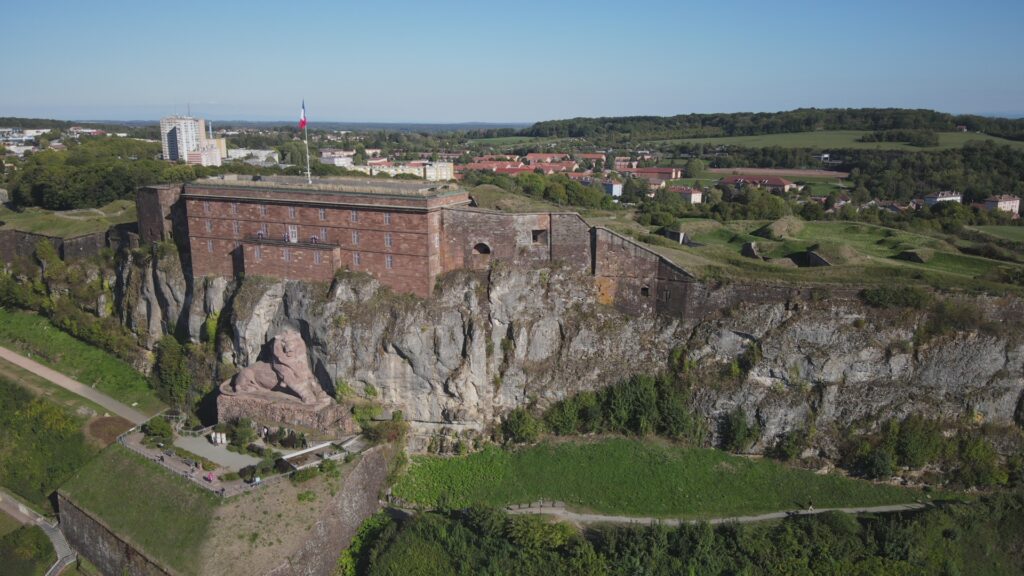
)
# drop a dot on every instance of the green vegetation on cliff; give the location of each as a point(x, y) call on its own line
point(163, 514)
point(41, 444)
point(633, 477)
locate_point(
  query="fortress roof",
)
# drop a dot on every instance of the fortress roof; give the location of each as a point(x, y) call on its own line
point(342, 185)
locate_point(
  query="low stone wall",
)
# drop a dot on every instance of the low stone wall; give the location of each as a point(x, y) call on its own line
point(91, 538)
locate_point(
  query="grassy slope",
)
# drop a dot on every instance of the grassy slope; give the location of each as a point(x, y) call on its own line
point(833, 139)
point(1013, 233)
point(494, 198)
point(163, 514)
point(33, 335)
point(633, 477)
point(875, 245)
point(71, 223)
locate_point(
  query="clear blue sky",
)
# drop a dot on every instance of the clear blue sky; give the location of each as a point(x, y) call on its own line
point(454, 61)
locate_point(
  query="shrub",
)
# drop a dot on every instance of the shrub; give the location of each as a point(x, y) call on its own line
point(520, 427)
point(159, 429)
point(305, 475)
point(918, 442)
point(790, 445)
point(895, 297)
point(307, 496)
point(563, 417)
point(737, 433)
point(979, 463)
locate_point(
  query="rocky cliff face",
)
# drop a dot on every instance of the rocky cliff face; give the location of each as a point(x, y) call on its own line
point(487, 343)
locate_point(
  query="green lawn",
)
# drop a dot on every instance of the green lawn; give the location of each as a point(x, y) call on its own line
point(70, 223)
point(1012, 233)
point(7, 524)
point(163, 514)
point(835, 139)
point(26, 552)
point(34, 336)
point(633, 477)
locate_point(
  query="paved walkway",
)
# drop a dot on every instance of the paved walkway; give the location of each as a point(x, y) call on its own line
point(123, 410)
point(221, 455)
point(26, 515)
point(561, 513)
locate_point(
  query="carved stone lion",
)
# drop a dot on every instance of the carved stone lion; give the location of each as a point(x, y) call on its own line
point(286, 372)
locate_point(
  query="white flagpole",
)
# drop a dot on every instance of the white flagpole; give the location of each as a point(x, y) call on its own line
point(309, 178)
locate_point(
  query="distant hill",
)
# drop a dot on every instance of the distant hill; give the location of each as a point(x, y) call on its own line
point(641, 128)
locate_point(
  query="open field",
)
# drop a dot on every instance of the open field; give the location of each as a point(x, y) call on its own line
point(70, 223)
point(605, 476)
point(783, 172)
point(34, 336)
point(162, 513)
point(504, 141)
point(837, 139)
point(866, 256)
point(1012, 233)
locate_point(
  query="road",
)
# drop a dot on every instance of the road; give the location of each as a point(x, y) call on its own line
point(115, 407)
point(561, 513)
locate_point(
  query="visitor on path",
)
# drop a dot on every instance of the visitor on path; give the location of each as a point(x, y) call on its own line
point(810, 506)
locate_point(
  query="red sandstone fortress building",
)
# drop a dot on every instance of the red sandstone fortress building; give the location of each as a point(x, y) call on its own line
point(404, 233)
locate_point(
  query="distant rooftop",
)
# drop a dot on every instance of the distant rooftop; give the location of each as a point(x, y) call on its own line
point(336, 184)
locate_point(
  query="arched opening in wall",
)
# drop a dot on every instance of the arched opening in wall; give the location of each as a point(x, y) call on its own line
point(645, 291)
point(481, 248)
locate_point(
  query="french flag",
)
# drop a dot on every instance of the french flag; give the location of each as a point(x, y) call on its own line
point(302, 116)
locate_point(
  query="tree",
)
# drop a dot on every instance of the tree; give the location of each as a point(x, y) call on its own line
point(521, 427)
point(172, 378)
point(737, 433)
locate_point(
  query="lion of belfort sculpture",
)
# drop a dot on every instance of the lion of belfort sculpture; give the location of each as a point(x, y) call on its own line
point(286, 375)
point(283, 391)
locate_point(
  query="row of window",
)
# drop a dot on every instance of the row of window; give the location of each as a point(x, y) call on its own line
point(293, 234)
point(293, 212)
point(286, 255)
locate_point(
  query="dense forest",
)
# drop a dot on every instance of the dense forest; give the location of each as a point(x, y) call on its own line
point(750, 124)
point(981, 538)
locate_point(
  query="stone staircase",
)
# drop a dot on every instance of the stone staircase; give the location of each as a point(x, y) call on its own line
point(65, 555)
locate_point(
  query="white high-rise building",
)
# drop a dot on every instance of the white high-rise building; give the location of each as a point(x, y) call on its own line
point(184, 138)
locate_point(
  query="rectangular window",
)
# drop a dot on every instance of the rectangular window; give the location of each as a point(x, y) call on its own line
point(355, 258)
point(209, 226)
point(323, 235)
point(316, 257)
point(209, 245)
point(234, 227)
point(257, 254)
point(263, 230)
point(355, 216)
point(286, 254)
point(540, 236)
point(355, 237)
point(291, 212)
point(389, 261)
point(323, 214)
point(264, 211)
point(234, 207)
point(437, 240)
point(293, 233)
point(206, 207)
point(387, 217)
point(387, 239)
